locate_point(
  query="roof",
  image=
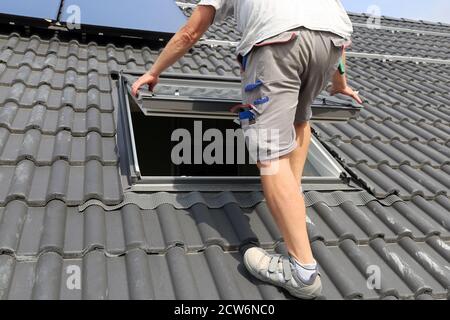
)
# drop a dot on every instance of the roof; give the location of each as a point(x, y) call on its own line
point(58, 115)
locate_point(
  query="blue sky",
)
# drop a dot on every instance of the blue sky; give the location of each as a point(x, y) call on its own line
point(430, 10)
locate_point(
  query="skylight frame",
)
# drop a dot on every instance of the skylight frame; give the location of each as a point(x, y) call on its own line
point(139, 183)
point(330, 110)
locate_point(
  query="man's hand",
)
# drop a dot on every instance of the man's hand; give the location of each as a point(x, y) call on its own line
point(346, 91)
point(339, 83)
point(146, 79)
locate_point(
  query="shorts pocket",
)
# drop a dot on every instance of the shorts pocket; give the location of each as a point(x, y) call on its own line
point(340, 42)
point(282, 38)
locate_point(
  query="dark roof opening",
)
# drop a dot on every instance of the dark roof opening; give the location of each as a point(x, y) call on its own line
point(154, 144)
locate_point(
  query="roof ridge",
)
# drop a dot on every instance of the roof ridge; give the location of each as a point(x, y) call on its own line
point(400, 19)
point(193, 4)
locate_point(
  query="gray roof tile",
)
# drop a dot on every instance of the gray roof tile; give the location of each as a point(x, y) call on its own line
point(71, 183)
point(58, 150)
point(395, 153)
point(404, 181)
point(231, 226)
point(399, 142)
point(409, 270)
point(45, 149)
point(403, 23)
point(369, 40)
point(213, 274)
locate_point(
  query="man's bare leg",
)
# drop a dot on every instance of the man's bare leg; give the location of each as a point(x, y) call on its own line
point(287, 206)
point(284, 199)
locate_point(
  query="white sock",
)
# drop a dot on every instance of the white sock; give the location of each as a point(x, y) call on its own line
point(305, 271)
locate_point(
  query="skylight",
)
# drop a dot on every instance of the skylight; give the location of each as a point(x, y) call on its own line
point(184, 137)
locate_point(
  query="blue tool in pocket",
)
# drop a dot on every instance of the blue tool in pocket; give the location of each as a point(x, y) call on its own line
point(252, 86)
point(246, 115)
point(246, 118)
point(260, 101)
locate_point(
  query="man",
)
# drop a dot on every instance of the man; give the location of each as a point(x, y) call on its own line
point(288, 52)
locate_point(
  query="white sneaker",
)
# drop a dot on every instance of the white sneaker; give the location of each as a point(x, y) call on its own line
point(280, 271)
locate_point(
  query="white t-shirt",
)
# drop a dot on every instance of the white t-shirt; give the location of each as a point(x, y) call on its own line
point(259, 20)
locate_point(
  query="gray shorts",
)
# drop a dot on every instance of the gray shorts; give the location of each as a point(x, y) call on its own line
point(281, 77)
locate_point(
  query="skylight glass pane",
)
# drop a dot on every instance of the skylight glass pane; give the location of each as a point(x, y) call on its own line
point(204, 96)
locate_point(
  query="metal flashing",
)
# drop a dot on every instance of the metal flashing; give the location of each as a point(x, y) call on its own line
point(183, 201)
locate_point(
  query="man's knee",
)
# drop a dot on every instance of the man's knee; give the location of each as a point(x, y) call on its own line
point(273, 167)
point(301, 124)
point(264, 165)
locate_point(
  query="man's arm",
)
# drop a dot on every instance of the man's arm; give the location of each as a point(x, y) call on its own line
point(340, 83)
point(178, 46)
